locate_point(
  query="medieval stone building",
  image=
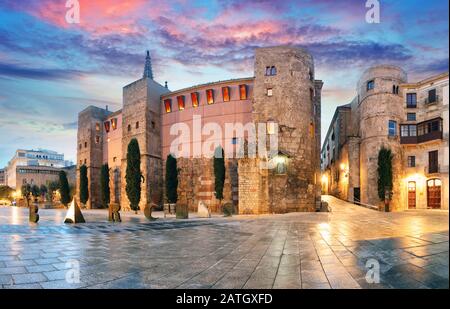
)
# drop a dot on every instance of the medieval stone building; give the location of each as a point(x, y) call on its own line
point(283, 98)
point(411, 119)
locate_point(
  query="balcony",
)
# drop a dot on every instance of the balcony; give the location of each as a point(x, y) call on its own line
point(432, 169)
point(422, 132)
point(432, 100)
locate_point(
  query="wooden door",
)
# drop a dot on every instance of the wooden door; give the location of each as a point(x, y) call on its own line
point(434, 193)
point(411, 195)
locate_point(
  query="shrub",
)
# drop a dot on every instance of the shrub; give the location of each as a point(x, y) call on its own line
point(84, 185)
point(171, 179)
point(133, 174)
point(384, 172)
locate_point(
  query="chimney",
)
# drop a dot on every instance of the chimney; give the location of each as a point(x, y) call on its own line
point(166, 85)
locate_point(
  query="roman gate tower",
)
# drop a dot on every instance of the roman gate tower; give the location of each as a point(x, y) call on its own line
point(381, 111)
point(286, 99)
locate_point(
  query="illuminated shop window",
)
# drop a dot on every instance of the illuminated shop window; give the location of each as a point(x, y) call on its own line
point(194, 99)
point(243, 92)
point(226, 94)
point(180, 100)
point(210, 96)
point(107, 126)
point(168, 105)
point(114, 123)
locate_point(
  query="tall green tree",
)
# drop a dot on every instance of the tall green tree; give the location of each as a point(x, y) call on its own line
point(26, 192)
point(35, 192)
point(84, 183)
point(219, 172)
point(171, 179)
point(133, 174)
point(104, 185)
point(64, 189)
point(384, 172)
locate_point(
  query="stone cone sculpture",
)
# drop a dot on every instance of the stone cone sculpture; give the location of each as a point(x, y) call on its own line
point(74, 214)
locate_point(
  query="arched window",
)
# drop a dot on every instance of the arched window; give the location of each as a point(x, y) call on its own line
point(267, 71)
point(129, 127)
point(273, 71)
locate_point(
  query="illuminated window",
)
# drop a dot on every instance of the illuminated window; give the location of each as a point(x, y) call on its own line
point(243, 92)
point(269, 92)
point(271, 127)
point(180, 100)
point(226, 94)
point(97, 127)
point(107, 126)
point(114, 123)
point(194, 99)
point(168, 105)
point(210, 96)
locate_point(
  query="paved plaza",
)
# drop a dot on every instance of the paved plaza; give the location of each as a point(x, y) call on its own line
point(297, 250)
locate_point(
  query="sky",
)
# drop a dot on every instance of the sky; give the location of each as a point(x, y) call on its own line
point(50, 70)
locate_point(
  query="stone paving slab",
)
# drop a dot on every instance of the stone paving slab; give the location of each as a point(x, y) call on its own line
point(299, 250)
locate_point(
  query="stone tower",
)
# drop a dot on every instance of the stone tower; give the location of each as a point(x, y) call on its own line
point(90, 151)
point(141, 119)
point(379, 104)
point(286, 93)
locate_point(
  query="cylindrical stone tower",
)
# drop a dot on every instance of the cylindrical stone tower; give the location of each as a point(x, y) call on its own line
point(381, 112)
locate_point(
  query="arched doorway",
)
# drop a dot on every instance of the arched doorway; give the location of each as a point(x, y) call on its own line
point(411, 195)
point(434, 193)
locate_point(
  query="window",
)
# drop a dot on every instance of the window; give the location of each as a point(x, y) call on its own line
point(194, 99)
point(153, 125)
point(137, 125)
point(97, 127)
point(107, 125)
point(370, 85)
point(411, 116)
point(395, 89)
point(392, 128)
point(432, 96)
point(269, 92)
point(234, 141)
point(270, 71)
point(114, 159)
point(85, 144)
point(180, 102)
point(114, 123)
point(243, 92)
point(210, 96)
point(411, 161)
point(97, 139)
point(411, 100)
point(226, 94)
point(273, 71)
point(433, 162)
point(168, 105)
point(85, 161)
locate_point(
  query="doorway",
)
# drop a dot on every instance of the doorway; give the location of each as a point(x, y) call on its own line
point(412, 195)
point(434, 193)
point(357, 195)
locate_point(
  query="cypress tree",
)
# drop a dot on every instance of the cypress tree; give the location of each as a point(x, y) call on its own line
point(171, 179)
point(219, 172)
point(384, 172)
point(64, 189)
point(104, 184)
point(84, 189)
point(133, 174)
